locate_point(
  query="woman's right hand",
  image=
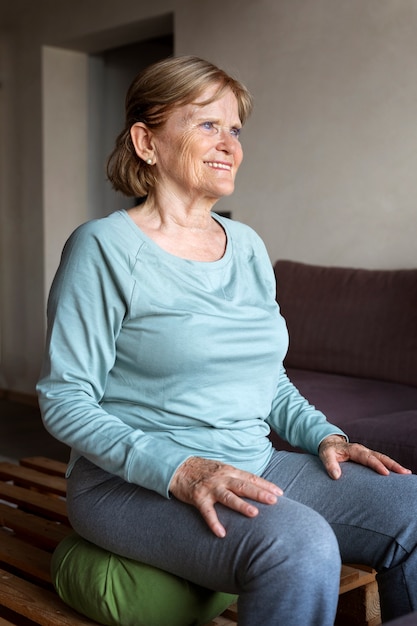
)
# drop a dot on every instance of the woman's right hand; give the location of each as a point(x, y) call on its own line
point(202, 482)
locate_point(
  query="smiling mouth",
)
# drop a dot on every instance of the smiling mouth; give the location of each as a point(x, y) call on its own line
point(219, 166)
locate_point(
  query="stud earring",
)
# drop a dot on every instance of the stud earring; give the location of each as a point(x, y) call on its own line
point(149, 161)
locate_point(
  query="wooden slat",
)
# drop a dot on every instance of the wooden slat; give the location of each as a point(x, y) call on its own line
point(52, 508)
point(43, 464)
point(40, 605)
point(359, 607)
point(231, 612)
point(21, 556)
point(42, 532)
point(364, 578)
point(27, 477)
point(348, 575)
point(365, 568)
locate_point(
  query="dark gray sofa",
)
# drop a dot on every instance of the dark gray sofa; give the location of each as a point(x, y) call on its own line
point(353, 350)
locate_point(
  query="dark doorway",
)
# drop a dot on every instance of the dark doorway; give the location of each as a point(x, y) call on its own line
point(110, 74)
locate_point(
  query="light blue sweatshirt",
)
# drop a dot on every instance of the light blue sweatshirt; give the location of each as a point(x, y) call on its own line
point(151, 358)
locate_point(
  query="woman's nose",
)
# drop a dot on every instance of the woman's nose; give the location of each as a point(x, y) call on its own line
point(226, 141)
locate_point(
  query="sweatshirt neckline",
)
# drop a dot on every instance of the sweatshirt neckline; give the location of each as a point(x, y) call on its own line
point(177, 260)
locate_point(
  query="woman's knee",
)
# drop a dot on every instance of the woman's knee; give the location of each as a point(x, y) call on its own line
point(292, 539)
point(314, 548)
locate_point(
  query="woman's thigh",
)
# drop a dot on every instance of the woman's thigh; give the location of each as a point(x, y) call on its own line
point(373, 516)
point(171, 535)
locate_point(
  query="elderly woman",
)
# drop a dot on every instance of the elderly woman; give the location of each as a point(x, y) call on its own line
point(164, 373)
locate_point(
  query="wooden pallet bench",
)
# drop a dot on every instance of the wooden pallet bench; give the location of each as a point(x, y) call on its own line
point(33, 520)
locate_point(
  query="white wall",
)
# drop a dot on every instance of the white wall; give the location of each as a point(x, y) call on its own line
point(65, 136)
point(330, 152)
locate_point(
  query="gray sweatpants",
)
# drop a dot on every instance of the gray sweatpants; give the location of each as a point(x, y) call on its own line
point(285, 563)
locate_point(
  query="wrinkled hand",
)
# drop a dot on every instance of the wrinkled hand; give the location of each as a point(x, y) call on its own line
point(335, 450)
point(202, 482)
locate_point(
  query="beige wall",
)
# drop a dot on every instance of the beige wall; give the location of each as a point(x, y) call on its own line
point(330, 152)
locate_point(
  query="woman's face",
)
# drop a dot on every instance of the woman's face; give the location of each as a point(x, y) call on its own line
point(198, 151)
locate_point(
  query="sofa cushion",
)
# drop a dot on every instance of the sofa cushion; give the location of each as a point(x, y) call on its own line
point(114, 590)
point(350, 321)
point(394, 434)
point(346, 398)
point(379, 414)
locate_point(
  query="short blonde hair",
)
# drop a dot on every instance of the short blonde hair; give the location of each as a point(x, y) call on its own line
point(151, 97)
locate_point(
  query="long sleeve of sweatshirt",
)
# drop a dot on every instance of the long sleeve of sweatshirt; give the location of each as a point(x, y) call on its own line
point(151, 358)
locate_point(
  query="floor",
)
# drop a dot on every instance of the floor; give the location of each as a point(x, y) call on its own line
point(23, 434)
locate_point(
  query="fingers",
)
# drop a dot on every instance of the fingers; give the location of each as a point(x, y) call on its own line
point(203, 483)
point(210, 516)
point(332, 451)
point(369, 458)
point(333, 469)
point(254, 487)
point(231, 494)
point(335, 451)
point(396, 467)
point(331, 464)
point(380, 463)
point(207, 509)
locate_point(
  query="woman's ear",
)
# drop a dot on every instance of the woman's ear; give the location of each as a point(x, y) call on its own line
point(142, 139)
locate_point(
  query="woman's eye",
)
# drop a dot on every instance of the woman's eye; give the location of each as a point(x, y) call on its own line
point(213, 128)
point(208, 126)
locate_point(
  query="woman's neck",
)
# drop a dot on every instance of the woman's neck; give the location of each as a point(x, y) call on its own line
point(187, 232)
point(167, 211)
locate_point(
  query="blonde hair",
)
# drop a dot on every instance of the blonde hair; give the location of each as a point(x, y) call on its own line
point(151, 97)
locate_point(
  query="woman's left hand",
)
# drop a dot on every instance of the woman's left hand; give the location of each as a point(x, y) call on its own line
point(335, 450)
